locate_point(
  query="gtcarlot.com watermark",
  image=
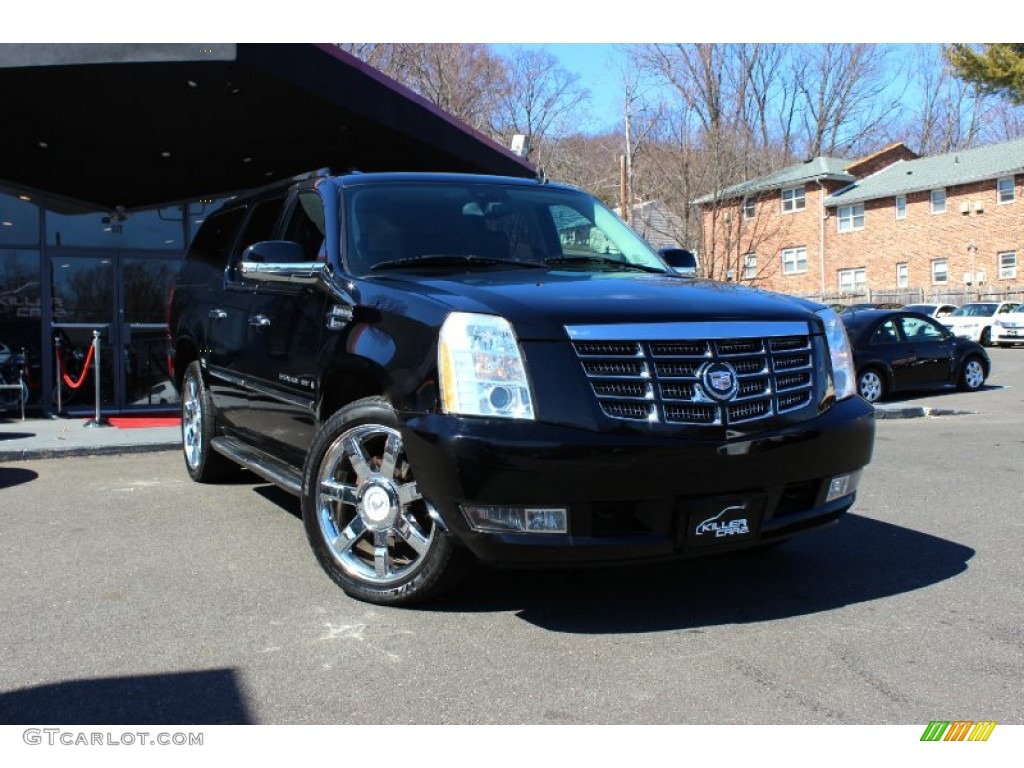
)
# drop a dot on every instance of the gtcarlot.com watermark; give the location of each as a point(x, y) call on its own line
point(62, 737)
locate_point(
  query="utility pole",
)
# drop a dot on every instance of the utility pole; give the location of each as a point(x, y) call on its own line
point(623, 191)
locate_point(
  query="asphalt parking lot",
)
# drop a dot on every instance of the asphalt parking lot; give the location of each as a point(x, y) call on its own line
point(131, 595)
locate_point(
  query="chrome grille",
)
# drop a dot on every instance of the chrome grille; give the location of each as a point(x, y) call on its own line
point(661, 380)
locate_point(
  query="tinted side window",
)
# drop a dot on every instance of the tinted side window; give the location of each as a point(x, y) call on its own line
point(306, 226)
point(885, 334)
point(261, 225)
point(213, 241)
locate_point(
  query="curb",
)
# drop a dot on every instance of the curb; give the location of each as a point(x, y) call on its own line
point(915, 412)
point(31, 454)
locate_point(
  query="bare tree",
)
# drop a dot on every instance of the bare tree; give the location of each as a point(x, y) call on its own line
point(843, 93)
point(540, 99)
point(464, 79)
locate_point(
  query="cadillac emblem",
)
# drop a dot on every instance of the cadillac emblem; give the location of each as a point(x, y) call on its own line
point(719, 381)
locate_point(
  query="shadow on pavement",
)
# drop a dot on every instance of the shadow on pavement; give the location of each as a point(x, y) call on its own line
point(211, 697)
point(856, 561)
point(16, 435)
point(12, 476)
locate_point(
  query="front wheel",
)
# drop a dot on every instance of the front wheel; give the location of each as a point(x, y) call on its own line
point(370, 528)
point(972, 375)
point(870, 385)
point(986, 338)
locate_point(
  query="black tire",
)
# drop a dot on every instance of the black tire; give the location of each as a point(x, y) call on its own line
point(198, 428)
point(986, 338)
point(972, 375)
point(369, 527)
point(871, 385)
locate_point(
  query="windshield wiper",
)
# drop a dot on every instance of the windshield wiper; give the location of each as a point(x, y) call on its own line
point(453, 259)
point(603, 262)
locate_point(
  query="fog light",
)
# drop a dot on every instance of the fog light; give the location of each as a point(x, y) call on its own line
point(843, 485)
point(517, 519)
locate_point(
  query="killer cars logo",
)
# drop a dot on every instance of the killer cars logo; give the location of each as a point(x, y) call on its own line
point(721, 528)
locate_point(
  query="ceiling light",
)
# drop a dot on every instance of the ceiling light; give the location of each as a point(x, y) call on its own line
point(192, 83)
point(165, 153)
point(26, 198)
point(43, 145)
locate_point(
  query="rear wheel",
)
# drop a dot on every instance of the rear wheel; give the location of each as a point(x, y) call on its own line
point(870, 385)
point(367, 522)
point(198, 428)
point(972, 375)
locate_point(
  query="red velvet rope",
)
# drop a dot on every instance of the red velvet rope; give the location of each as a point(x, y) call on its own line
point(85, 368)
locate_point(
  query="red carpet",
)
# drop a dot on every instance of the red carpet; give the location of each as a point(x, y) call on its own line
point(136, 422)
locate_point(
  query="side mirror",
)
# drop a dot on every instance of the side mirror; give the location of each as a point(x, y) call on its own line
point(680, 260)
point(274, 252)
point(280, 261)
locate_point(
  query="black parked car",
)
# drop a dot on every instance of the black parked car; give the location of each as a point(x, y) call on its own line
point(451, 367)
point(899, 351)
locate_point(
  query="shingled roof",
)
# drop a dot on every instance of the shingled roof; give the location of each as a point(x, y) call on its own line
point(823, 168)
point(949, 170)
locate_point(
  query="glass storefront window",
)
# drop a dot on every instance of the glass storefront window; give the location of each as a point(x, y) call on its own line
point(19, 218)
point(83, 290)
point(21, 330)
point(159, 228)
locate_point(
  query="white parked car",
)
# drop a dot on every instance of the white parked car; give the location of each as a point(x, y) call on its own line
point(1008, 329)
point(932, 310)
point(974, 321)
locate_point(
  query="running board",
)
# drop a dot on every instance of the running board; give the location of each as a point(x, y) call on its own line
point(263, 464)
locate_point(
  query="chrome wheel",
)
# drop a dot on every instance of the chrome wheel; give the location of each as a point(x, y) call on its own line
point(376, 525)
point(870, 386)
point(192, 422)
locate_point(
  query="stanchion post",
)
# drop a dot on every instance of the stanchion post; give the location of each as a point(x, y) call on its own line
point(98, 421)
point(60, 373)
point(21, 380)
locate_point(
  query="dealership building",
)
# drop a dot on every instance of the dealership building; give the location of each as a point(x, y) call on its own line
point(113, 155)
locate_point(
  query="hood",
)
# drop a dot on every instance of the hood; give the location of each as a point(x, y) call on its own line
point(540, 304)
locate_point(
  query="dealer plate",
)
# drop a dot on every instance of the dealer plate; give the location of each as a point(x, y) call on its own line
point(721, 520)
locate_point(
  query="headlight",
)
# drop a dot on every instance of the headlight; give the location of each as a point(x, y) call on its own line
point(843, 375)
point(482, 369)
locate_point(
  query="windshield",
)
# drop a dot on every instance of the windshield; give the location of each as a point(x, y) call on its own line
point(463, 224)
point(976, 310)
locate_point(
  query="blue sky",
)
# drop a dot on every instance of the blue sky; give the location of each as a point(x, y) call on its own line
point(595, 63)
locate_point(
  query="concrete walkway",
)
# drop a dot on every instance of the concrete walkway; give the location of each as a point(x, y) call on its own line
point(44, 438)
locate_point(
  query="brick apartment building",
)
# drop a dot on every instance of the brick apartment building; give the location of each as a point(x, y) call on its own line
point(890, 226)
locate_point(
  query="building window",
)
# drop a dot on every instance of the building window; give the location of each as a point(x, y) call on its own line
point(851, 217)
point(750, 266)
point(1004, 190)
point(901, 206)
point(749, 208)
point(794, 261)
point(903, 275)
point(852, 280)
point(1008, 265)
point(793, 199)
point(938, 201)
point(940, 271)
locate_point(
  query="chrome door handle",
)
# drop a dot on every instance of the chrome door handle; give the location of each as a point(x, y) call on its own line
point(259, 321)
point(218, 314)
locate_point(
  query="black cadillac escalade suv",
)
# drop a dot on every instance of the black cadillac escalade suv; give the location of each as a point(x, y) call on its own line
point(447, 368)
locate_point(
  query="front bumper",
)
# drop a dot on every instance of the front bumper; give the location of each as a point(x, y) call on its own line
point(1001, 335)
point(634, 497)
